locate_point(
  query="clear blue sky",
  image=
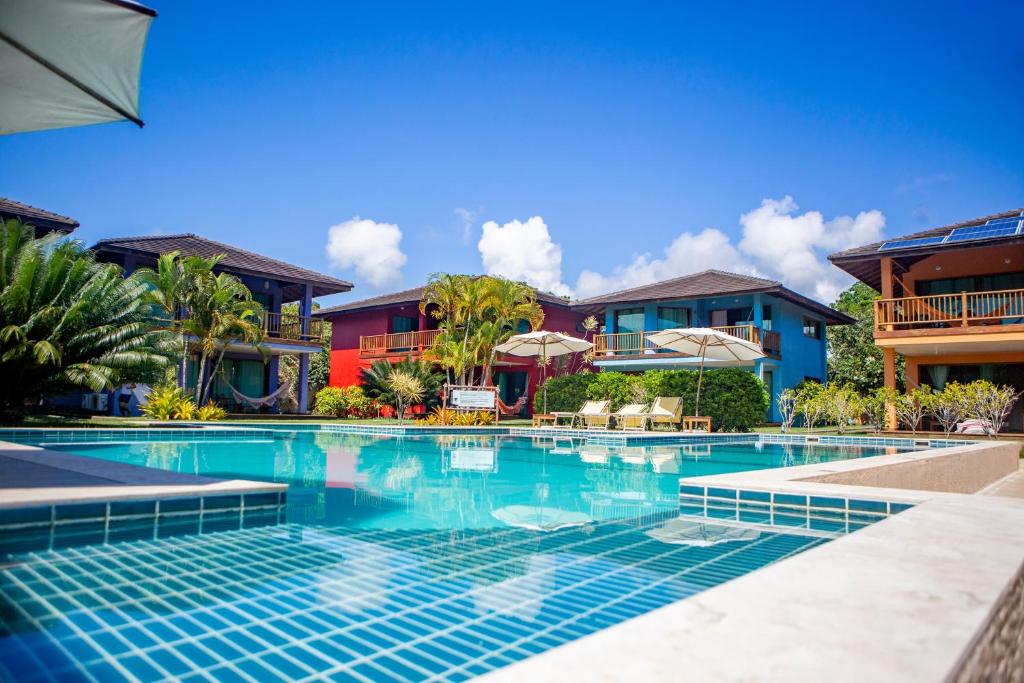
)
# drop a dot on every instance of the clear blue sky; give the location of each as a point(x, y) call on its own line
point(621, 125)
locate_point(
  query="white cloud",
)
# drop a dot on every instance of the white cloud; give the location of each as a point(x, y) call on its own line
point(523, 251)
point(373, 249)
point(688, 253)
point(467, 217)
point(792, 247)
point(776, 242)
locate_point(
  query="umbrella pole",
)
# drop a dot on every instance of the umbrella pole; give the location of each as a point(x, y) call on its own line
point(544, 373)
point(700, 379)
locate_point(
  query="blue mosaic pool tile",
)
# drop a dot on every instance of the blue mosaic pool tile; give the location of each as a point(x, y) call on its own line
point(876, 506)
point(827, 502)
point(759, 496)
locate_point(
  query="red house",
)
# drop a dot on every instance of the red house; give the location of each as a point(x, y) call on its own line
point(391, 327)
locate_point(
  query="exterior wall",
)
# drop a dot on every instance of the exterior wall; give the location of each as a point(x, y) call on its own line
point(964, 263)
point(347, 328)
point(801, 357)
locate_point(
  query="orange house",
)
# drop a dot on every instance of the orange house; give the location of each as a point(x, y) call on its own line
point(952, 302)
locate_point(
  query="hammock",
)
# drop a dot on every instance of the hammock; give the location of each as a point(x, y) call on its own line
point(261, 401)
point(513, 409)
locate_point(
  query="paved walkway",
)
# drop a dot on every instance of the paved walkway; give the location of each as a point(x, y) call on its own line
point(1009, 487)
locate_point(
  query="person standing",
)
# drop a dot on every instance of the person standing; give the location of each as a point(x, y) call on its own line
point(124, 399)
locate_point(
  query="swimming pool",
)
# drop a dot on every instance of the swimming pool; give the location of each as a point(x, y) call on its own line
point(414, 558)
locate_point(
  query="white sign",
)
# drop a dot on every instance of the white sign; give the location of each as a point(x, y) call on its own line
point(465, 398)
point(474, 460)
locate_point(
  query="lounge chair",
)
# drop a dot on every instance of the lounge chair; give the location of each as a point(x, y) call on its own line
point(632, 417)
point(666, 410)
point(592, 411)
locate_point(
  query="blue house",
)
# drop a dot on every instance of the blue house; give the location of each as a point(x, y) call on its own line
point(272, 283)
point(789, 327)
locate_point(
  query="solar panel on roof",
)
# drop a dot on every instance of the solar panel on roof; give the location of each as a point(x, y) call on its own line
point(1012, 220)
point(907, 244)
point(983, 232)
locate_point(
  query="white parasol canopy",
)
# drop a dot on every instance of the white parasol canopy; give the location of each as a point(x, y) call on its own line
point(542, 344)
point(67, 63)
point(707, 344)
point(681, 531)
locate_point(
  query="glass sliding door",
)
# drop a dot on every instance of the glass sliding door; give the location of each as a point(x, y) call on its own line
point(629, 329)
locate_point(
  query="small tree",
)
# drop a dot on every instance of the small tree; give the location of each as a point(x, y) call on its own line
point(950, 406)
point(912, 406)
point(842, 404)
point(810, 404)
point(787, 408)
point(876, 407)
point(406, 389)
point(990, 403)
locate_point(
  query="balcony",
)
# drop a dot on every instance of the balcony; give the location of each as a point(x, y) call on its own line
point(414, 343)
point(637, 344)
point(288, 327)
point(954, 312)
point(968, 322)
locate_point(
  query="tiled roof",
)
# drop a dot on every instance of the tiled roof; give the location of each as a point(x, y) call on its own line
point(235, 259)
point(710, 283)
point(695, 285)
point(35, 216)
point(408, 296)
point(864, 263)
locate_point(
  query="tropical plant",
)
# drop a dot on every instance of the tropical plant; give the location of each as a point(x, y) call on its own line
point(950, 406)
point(344, 402)
point(168, 402)
point(210, 412)
point(787, 409)
point(912, 406)
point(475, 315)
point(406, 389)
point(68, 322)
point(170, 286)
point(441, 416)
point(843, 405)
point(375, 380)
point(877, 405)
point(221, 310)
point(990, 404)
point(811, 404)
point(853, 357)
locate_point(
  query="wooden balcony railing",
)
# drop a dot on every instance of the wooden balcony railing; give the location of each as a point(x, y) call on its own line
point(966, 309)
point(637, 343)
point(290, 327)
point(398, 342)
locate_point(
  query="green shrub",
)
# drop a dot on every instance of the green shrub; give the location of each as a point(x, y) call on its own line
point(618, 387)
point(565, 393)
point(344, 402)
point(168, 402)
point(734, 399)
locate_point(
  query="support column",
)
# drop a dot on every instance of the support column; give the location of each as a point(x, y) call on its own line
point(305, 310)
point(889, 376)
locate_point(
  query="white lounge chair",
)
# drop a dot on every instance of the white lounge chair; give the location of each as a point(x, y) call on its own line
point(666, 410)
point(632, 417)
point(593, 414)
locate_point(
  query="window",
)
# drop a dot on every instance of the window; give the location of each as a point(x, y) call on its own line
point(766, 316)
point(977, 283)
point(670, 317)
point(404, 323)
point(522, 327)
point(629, 320)
point(812, 328)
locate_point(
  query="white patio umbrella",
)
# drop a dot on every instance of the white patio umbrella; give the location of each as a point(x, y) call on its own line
point(543, 344)
point(680, 531)
point(540, 517)
point(707, 344)
point(67, 63)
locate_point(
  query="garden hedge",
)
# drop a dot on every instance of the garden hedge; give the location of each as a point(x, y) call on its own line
point(734, 399)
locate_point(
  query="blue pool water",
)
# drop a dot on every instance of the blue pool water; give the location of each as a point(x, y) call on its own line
point(414, 558)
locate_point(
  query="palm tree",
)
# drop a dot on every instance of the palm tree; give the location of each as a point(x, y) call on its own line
point(510, 302)
point(68, 322)
point(406, 389)
point(171, 284)
point(221, 310)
